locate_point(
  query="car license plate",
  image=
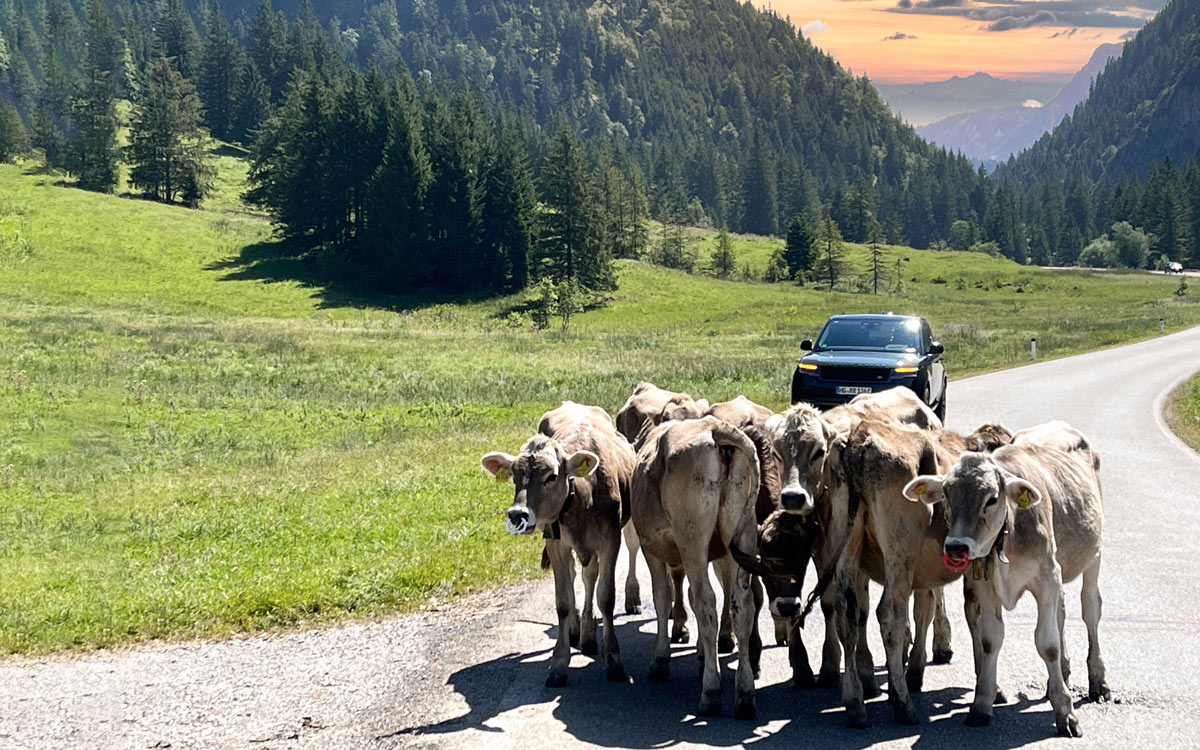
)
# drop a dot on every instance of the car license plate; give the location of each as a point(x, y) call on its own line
point(851, 390)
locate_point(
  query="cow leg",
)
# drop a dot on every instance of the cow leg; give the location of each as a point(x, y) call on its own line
point(924, 604)
point(781, 630)
point(831, 651)
point(606, 594)
point(745, 615)
point(892, 613)
point(679, 631)
point(704, 608)
point(587, 617)
point(942, 651)
point(564, 603)
point(972, 611)
point(862, 656)
point(1049, 645)
point(1097, 685)
point(573, 626)
point(633, 590)
point(660, 588)
point(756, 643)
point(802, 674)
point(850, 621)
point(987, 636)
point(725, 567)
point(1063, 662)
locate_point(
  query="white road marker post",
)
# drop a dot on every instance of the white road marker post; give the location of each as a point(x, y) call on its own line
point(1033, 348)
point(1162, 325)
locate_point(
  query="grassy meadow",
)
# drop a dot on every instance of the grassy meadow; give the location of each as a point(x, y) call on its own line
point(1183, 412)
point(197, 439)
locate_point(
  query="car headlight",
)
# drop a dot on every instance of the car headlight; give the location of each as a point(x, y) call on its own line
point(907, 370)
point(806, 366)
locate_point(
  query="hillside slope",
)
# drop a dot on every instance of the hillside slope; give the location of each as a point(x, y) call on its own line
point(1144, 107)
point(990, 136)
point(924, 103)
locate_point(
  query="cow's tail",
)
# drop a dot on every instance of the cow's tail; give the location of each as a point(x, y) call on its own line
point(730, 440)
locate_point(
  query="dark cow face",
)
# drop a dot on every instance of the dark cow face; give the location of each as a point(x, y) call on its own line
point(977, 494)
point(785, 542)
point(541, 481)
point(804, 442)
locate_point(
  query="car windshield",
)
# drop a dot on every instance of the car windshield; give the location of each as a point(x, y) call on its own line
point(899, 335)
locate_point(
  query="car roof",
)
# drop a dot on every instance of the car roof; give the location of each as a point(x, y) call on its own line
point(875, 316)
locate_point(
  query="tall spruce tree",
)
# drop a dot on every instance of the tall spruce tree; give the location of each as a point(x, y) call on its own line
point(798, 247)
point(509, 205)
point(454, 137)
point(13, 139)
point(219, 82)
point(759, 190)
point(830, 264)
point(93, 152)
point(252, 102)
point(167, 146)
point(570, 222)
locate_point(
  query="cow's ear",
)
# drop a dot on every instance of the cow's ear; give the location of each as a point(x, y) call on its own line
point(926, 488)
point(582, 463)
point(774, 426)
point(498, 465)
point(1021, 493)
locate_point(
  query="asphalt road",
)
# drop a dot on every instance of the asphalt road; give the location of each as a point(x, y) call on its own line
point(471, 674)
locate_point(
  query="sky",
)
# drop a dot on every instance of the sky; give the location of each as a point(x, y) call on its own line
point(909, 41)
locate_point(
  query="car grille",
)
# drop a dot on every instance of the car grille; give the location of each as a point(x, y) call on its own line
point(848, 374)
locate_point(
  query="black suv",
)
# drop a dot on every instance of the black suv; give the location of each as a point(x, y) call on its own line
point(868, 353)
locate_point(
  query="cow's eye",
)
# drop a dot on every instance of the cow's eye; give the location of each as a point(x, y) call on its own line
point(551, 478)
point(992, 501)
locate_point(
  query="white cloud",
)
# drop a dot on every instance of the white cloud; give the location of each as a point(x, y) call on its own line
point(813, 27)
point(1031, 104)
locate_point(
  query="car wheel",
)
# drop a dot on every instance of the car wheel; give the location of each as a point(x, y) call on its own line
point(940, 410)
point(797, 392)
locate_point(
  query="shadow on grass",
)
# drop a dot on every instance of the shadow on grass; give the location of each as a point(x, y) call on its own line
point(326, 273)
point(644, 714)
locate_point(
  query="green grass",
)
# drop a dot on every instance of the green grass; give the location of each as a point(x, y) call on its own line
point(187, 449)
point(1183, 412)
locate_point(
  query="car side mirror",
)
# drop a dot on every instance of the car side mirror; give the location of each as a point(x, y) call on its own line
point(806, 345)
point(936, 347)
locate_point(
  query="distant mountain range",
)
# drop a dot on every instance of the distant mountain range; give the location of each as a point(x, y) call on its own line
point(990, 136)
point(923, 103)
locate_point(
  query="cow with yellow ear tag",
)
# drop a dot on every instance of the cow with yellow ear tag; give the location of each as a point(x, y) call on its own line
point(1026, 518)
point(571, 482)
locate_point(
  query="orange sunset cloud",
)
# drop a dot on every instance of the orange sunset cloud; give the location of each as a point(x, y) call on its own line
point(902, 41)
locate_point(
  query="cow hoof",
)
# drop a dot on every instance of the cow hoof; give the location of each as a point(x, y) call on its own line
point(659, 671)
point(856, 717)
point(906, 715)
point(615, 673)
point(710, 703)
point(942, 657)
point(1069, 727)
point(725, 644)
point(1100, 695)
point(870, 689)
point(781, 640)
point(589, 648)
point(827, 679)
point(1001, 698)
point(556, 680)
point(977, 719)
point(633, 609)
point(745, 710)
point(914, 680)
point(680, 635)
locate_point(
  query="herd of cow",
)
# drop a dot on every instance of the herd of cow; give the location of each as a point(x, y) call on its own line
point(876, 489)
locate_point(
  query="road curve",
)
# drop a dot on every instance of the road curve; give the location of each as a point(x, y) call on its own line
point(471, 674)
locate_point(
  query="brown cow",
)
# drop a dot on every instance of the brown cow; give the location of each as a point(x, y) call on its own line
point(572, 481)
point(694, 489)
point(647, 407)
point(1029, 517)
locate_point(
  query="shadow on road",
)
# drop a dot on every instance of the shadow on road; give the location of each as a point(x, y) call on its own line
point(645, 714)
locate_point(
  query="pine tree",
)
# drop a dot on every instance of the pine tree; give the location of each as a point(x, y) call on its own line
point(570, 223)
point(830, 264)
point(454, 136)
point(398, 230)
point(723, 261)
point(268, 48)
point(94, 153)
point(759, 190)
point(252, 102)
point(875, 241)
point(177, 38)
point(167, 147)
point(13, 139)
point(509, 205)
point(220, 74)
point(798, 248)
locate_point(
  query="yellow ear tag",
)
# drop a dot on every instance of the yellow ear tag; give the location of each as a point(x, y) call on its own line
point(1023, 499)
point(582, 470)
point(502, 474)
point(920, 489)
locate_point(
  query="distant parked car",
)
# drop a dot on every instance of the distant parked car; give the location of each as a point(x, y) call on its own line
point(1174, 267)
point(869, 353)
